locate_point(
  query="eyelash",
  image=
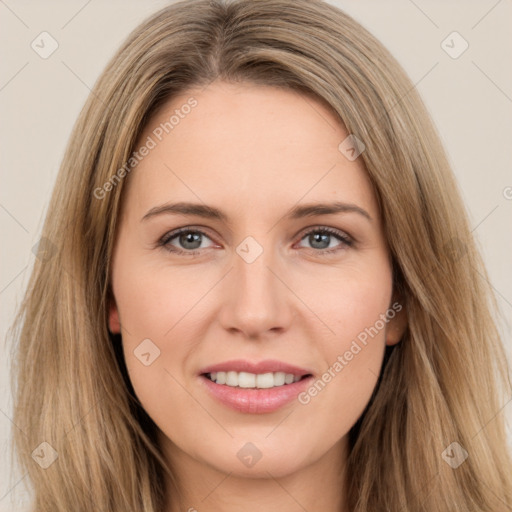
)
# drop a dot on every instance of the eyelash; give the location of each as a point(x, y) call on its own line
point(342, 237)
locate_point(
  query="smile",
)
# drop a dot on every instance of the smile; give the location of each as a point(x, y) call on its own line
point(253, 380)
point(255, 387)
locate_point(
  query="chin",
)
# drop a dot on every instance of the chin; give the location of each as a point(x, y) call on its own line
point(257, 457)
point(278, 465)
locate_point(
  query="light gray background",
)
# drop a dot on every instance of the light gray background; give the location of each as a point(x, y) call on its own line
point(470, 99)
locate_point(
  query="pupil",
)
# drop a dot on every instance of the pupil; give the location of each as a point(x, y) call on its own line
point(190, 238)
point(321, 238)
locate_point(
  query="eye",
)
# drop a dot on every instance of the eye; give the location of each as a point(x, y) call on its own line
point(187, 241)
point(184, 241)
point(321, 240)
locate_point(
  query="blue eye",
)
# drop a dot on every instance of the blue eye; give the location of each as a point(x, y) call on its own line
point(321, 238)
point(189, 242)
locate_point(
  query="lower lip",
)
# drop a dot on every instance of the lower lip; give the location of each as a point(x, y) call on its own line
point(256, 401)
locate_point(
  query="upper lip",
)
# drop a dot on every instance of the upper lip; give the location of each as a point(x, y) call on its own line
point(266, 366)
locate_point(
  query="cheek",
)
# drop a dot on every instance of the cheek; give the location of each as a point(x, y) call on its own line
point(156, 303)
point(354, 306)
point(350, 299)
point(155, 310)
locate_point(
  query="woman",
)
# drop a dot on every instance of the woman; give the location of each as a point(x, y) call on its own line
point(260, 369)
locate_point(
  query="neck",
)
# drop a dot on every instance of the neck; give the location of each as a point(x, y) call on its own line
point(318, 486)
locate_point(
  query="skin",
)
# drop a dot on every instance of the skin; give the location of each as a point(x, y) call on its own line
point(254, 152)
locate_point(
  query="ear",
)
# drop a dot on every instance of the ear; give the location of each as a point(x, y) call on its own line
point(397, 323)
point(114, 325)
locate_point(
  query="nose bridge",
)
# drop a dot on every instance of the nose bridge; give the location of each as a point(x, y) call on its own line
point(257, 299)
point(252, 272)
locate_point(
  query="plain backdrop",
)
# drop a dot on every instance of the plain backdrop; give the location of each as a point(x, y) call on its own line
point(468, 93)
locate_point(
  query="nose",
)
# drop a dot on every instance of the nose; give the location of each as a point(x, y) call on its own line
point(257, 301)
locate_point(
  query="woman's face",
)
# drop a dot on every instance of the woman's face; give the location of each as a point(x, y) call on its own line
point(277, 287)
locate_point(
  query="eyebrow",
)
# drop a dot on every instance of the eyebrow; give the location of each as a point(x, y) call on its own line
point(297, 212)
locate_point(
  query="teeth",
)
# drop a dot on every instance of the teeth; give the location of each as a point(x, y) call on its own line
point(247, 380)
point(232, 379)
point(251, 380)
point(265, 380)
point(280, 378)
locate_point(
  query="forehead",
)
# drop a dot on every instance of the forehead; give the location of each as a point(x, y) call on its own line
point(245, 145)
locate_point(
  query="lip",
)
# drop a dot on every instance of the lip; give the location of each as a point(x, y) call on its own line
point(266, 366)
point(256, 401)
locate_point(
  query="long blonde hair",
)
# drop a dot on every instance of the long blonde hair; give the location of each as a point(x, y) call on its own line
point(444, 382)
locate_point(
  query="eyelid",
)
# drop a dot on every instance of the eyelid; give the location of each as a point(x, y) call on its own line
point(341, 235)
point(345, 239)
point(164, 240)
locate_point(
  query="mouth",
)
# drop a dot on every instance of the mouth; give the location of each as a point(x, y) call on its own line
point(249, 387)
point(248, 380)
